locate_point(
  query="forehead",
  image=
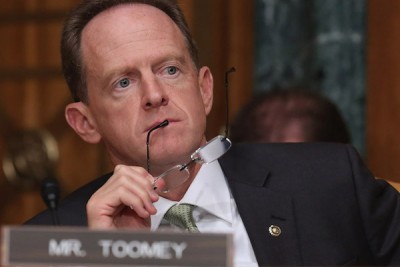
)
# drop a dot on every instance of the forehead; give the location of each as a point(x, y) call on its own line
point(137, 11)
point(141, 20)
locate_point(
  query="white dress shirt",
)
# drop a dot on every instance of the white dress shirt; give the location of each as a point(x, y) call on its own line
point(216, 211)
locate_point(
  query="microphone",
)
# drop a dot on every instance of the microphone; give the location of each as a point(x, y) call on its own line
point(50, 194)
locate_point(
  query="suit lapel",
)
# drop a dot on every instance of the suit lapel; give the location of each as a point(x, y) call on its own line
point(268, 216)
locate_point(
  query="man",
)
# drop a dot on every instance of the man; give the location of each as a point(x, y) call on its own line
point(132, 65)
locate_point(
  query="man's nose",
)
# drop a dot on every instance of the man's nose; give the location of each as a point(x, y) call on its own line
point(154, 94)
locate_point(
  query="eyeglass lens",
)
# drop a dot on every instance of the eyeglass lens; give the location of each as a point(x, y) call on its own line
point(177, 175)
point(171, 179)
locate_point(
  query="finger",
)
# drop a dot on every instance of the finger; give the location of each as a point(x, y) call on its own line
point(140, 178)
point(137, 182)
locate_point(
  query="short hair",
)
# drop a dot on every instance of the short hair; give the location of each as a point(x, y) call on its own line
point(72, 65)
point(266, 116)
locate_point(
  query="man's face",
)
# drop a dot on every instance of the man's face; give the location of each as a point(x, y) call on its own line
point(139, 73)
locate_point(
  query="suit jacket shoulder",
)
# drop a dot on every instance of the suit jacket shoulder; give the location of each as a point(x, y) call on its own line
point(72, 209)
point(329, 207)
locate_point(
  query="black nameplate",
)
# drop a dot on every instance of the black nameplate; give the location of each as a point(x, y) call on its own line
point(59, 246)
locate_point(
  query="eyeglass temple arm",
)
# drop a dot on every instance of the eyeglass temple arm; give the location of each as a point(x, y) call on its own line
point(232, 69)
point(162, 124)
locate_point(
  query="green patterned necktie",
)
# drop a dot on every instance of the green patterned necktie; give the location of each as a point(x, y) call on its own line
point(181, 216)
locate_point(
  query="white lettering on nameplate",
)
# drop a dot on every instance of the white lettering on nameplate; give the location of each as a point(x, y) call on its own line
point(137, 249)
point(66, 248)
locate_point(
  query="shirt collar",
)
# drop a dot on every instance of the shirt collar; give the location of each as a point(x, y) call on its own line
point(209, 191)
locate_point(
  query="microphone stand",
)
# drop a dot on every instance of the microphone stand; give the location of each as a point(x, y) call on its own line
point(50, 194)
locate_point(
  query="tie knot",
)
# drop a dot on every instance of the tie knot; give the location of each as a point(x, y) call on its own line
point(181, 216)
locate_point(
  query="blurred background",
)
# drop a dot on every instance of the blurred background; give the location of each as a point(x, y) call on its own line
point(346, 49)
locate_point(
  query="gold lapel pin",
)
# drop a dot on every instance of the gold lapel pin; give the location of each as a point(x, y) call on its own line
point(275, 230)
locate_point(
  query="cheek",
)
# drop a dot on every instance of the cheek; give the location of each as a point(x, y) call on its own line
point(198, 114)
point(117, 121)
point(195, 102)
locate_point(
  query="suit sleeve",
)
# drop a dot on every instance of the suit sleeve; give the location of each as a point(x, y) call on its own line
point(379, 206)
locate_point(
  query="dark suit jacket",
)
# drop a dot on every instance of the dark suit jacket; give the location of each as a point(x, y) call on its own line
point(330, 209)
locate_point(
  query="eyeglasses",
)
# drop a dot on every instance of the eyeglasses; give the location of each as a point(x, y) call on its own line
point(178, 174)
point(210, 152)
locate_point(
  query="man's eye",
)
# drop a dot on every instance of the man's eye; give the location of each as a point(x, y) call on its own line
point(171, 70)
point(124, 82)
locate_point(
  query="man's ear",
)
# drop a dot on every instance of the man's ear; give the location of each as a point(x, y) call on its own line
point(206, 83)
point(79, 118)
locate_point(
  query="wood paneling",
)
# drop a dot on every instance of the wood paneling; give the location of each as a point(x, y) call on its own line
point(383, 98)
point(33, 95)
point(224, 33)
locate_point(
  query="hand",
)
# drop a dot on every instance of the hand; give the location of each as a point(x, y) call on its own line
point(124, 201)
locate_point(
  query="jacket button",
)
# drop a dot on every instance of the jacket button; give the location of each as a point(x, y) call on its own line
point(275, 230)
